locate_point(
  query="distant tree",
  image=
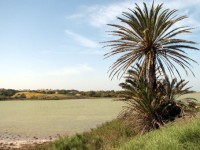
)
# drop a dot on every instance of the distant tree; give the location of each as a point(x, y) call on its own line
point(7, 92)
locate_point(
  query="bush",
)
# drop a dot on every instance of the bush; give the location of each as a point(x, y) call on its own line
point(77, 142)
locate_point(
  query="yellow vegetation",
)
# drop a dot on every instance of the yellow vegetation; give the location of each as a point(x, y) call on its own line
point(34, 95)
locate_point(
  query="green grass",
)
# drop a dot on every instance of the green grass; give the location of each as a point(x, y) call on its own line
point(177, 136)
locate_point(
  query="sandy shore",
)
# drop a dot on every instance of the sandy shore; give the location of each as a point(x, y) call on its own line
point(9, 140)
point(18, 144)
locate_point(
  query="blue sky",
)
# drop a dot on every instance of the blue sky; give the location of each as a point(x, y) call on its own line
point(55, 44)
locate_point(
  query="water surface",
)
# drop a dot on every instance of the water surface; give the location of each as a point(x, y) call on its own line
point(45, 119)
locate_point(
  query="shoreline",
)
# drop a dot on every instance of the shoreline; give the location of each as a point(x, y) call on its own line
point(81, 98)
point(18, 144)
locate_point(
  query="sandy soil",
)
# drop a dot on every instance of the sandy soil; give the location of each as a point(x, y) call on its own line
point(18, 144)
point(8, 141)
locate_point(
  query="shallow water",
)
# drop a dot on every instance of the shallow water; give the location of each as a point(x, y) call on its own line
point(48, 119)
point(192, 95)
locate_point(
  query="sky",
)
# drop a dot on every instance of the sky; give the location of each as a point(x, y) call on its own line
point(56, 44)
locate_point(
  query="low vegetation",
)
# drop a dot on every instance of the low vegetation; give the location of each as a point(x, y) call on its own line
point(107, 136)
point(176, 136)
point(7, 93)
point(41, 96)
point(49, 94)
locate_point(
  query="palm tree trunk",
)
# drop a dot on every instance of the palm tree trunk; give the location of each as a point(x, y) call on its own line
point(151, 77)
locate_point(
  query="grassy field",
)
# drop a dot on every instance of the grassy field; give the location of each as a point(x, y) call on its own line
point(41, 119)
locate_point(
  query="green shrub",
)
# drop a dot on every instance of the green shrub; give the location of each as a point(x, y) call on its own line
point(77, 142)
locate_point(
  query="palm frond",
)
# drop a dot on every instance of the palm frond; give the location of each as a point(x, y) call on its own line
point(150, 34)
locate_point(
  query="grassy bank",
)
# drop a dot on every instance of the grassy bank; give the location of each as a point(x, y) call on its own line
point(107, 136)
point(177, 136)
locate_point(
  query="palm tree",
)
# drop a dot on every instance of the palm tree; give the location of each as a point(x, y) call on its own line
point(148, 37)
point(147, 110)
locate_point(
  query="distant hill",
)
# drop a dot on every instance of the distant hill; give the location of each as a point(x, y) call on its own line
point(49, 94)
point(41, 96)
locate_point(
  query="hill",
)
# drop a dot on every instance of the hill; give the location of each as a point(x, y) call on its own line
point(41, 96)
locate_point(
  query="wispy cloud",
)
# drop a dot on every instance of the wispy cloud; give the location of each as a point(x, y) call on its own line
point(103, 15)
point(72, 70)
point(179, 4)
point(81, 40)
point(45, 52)
point(74, 16)
point(188, 7)
point(66, 71)
point(93, 52)
point(100, 15)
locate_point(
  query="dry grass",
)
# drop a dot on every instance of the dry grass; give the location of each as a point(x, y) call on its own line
point(34, 95)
